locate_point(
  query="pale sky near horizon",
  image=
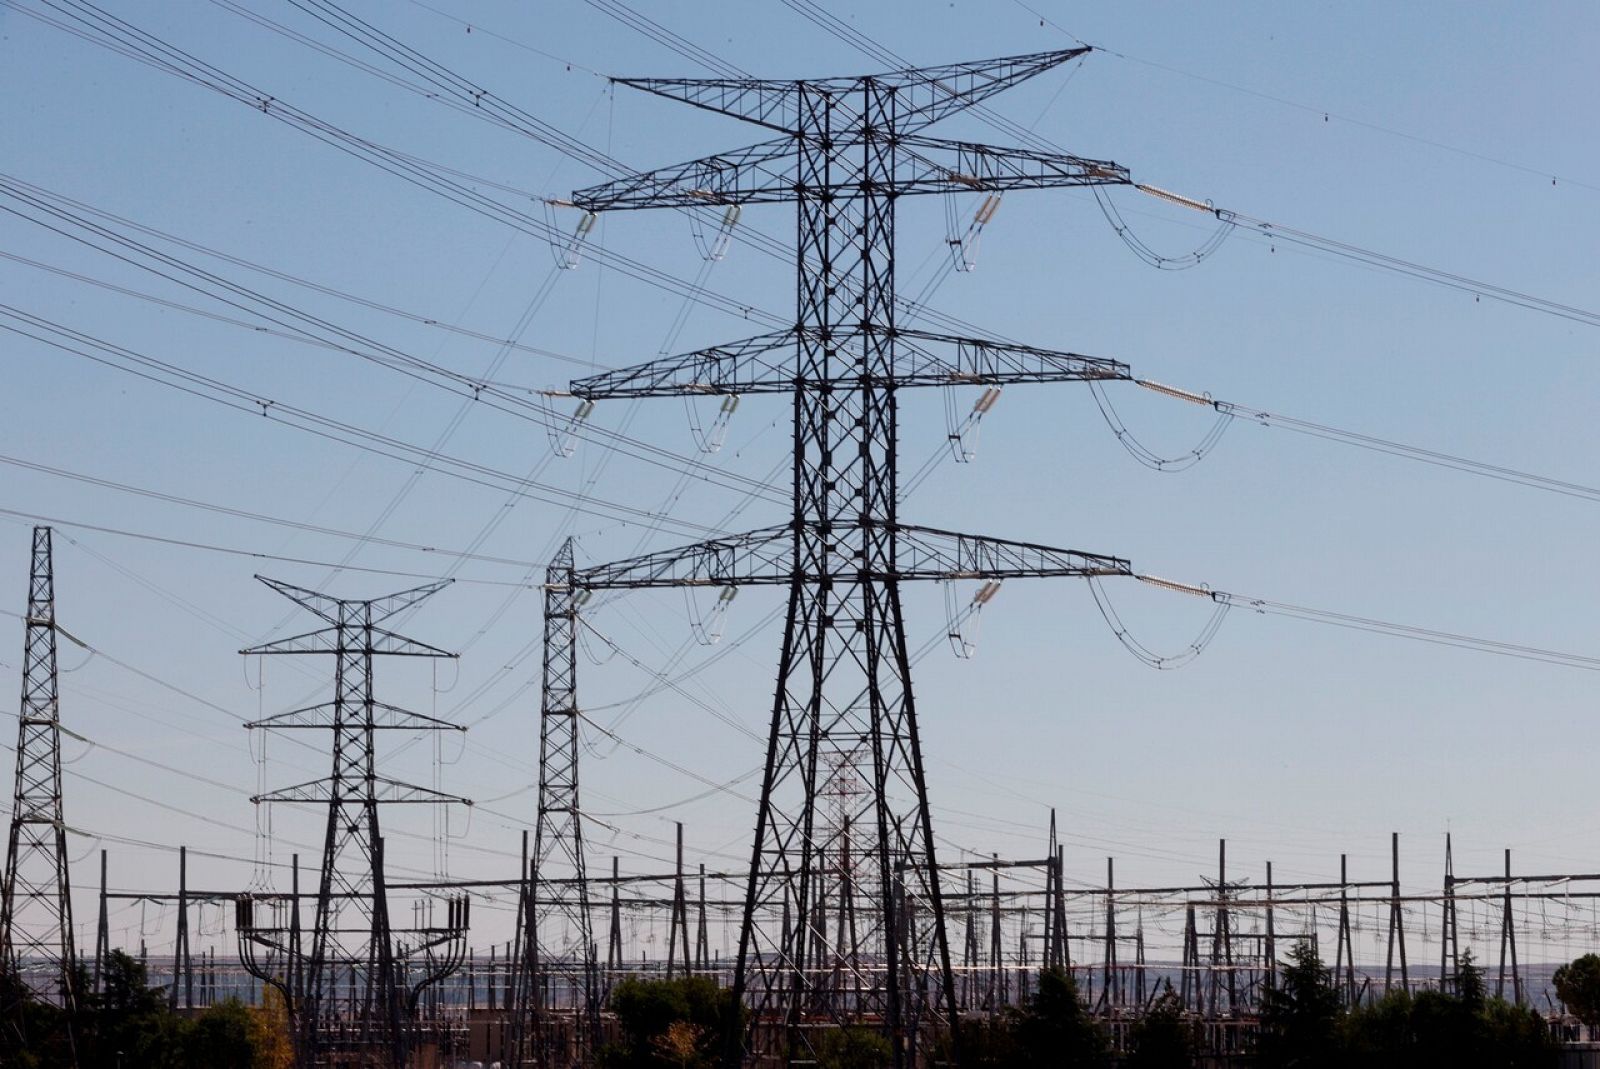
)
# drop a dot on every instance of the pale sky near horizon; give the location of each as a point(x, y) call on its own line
point(1458, 136)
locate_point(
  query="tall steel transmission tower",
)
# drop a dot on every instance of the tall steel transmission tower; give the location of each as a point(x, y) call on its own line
point(844, 151)
point(556, 955)
point(36, 951)
point(353, 992)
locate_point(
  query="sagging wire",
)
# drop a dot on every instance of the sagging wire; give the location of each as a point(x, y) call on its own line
point(563, 437)
point(88, 744)
point(709, 628)
point(1225, 226)
point(1161, 662)
point(963, 435)
point(964, 242)
point(1389, 447)
point(568, 254)
point(962, 622)
point(714, 246)
point(710, 439)
point(262, 863)
point(589, 652)
point(726, 786)
point(1142, 453)
point(1433, 636)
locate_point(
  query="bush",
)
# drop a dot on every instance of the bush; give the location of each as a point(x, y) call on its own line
point(681, 1023)
point(1164, 1038)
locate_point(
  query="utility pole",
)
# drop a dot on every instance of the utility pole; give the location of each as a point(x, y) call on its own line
point(182, 968)
point(678, 923)
point(36, 951)
point(844, 150)
point(102, 931)
point(1449, 941)
point(376, 1003)
point(1397, 920)
point(702, 936)
point(1344, 956)
point(1508, 938)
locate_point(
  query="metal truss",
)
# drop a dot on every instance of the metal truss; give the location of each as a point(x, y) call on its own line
point(556, 953)
point(924, 359)
point(849, 148)
point(351, 996)
point(766, 557)
point(36, 949)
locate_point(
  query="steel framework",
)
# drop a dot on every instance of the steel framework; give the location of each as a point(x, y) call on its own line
point(847, 149)
point(36, 950)
point(351, 995)
point(555, 932)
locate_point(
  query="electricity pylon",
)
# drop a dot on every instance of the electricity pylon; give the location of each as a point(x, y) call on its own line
point(36, 952)
point(556, 955)
point(845, 151)
point(352, 995)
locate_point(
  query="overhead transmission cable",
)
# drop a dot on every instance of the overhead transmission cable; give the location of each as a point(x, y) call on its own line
point(119, 36)
point(1233, 219)
point(1327, 114)
point(257, 517)
point(1229, 410)
point(1435, 636)
point(204, 387)
point(299, 321)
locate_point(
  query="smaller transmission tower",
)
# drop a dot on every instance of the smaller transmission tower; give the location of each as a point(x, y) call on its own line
point(352, 995)
point(557, 960)
point(36, 953)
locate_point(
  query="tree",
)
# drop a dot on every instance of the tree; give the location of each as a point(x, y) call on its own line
point(853, 1048)
point(269, 1031)
point(128, 1023)
point(680, 1023)
point(1164, 1038)
point(1578, 988)
point(1054, 1030)
point(1301, 1015)
point(1463, 1030)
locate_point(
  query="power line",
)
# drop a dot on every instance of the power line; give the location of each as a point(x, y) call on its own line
point(1327, 114)
point(1373, 625)
point(257, 517)
point(1389, 447)
point(207, 388)
point(340, 338)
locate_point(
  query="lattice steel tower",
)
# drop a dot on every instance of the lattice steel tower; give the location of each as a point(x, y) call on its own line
point(36, 948)
point(556, 956)
point(845, 150)
point(352, 994)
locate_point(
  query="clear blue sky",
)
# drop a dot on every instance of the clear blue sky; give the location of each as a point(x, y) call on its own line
point(1428, 131)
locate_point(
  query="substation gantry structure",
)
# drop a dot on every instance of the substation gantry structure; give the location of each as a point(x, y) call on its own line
point(37, 958)
point(352, 993)
point(844, 151)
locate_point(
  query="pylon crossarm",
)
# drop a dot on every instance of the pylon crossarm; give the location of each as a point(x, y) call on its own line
point(377, 609)
point(929, 553)
point(338, 640)
point(934, 165)
point(928, 94)
point(766, 363)
point(924, 358)
point(925, 94)
point(763, 556)
point(765, 102)
point(383, 790)
point(313, 602)
point(756, 174)
point(384, 716)
point(762, 364)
